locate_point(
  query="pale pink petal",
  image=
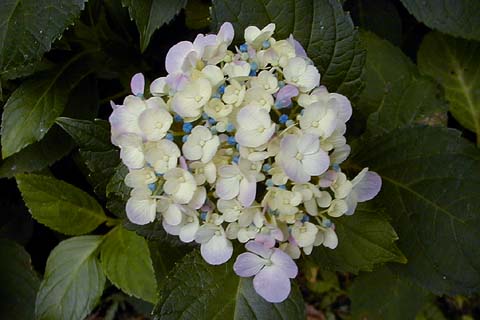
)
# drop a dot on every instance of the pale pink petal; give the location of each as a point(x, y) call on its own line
point(259, 248)
point(316, 164)
point(299, 50)
point(283, 261)
point(247, 191)
point(248, 264)
point(217, 250)
point(226, 33)
point(176, 56)
point(285, 95)
point(272, 285)
point(137, 84)
point(227, 188)
point(369, 187)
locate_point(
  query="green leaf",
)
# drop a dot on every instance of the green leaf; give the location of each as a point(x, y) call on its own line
point(458, 18)
point(32, 109)
point(29, 27)
point(117, 185)
point(431, 179)
point(73, 281)
point(59, 205)
point(364, 240)
point(153, 231)
point(99, 155)
point(165, 256)
point(39, 155)
point(322, 27)
point(395, 94)
point(197, 14)
point(202, 291)
point(149, 15)
point(19, 282)
point(454, 64)
point(379, 17)
point(384, 294)
point(430, 311)
point(127, 263)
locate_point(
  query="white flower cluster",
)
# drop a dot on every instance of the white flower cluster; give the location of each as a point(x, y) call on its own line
point(244, 145)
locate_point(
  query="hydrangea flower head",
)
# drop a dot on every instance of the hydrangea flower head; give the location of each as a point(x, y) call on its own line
point(240, 143)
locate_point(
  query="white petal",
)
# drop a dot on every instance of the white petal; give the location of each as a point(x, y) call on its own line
point(217, 250)
point(272, 285)
point(141, 211)
point(173, 215)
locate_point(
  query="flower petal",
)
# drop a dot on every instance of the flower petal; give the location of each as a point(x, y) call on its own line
point(248, 264)
point(137, 84)
point(368, 187)
point(141, 211)
point(283, 261)
point(272, 285)
point(217, 250)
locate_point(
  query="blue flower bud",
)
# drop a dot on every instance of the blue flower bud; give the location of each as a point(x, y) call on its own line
point(230, 127)
point(231, 140)
point(283, 187)
point(204, 116)
point(283, 118)
point(336, 167)
point(236, 159)
point(266, 167)
point(169, 136)
point(187, 127)
point(289, 123)
point(221, 89)
point(305, 218)
point(212, 121)
point(327, 223)
point(184, 138)
point(215, 96)
point(281, 84)
point(243, 47)
point(177, 118)
point(152, 186)
point(203, 216)
point(253, 66)
point(266, 44)
point(269, 183)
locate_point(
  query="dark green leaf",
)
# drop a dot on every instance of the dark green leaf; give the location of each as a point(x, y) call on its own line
point(379, 17)
point(364, 240)
point(127, 263)
point(198, 290)
point(454, 64)
point(322, 27)
point(96, 150)
point(395, 95)
point(459, 18)
point(164, 256)
point(197, 14)
point(384, 294)
point(73, 281)
point(150, 15)
point(29, 27)
point(32, 109)
point(60, 205)
point(431, 190)
point(19, 282)
point(39, 155)
point(117, 185)
point(153, 231)
point(430, 311)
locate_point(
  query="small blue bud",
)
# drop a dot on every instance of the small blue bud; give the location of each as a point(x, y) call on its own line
point(230, 127)
point(159, 174)
point(305, 218)
point(302, 112)
point(281, 84)
point(184, 138)
point(235, 159)
point(266, 44)
point(216, 96)
point(152, 186)
point(253, 66)
point(336, 167)
point(266, 167)
point(243, 47)
point(140, 95)
point(221, 89)
point(213, 130)
point(203, 216)
point(327, 223)
point(269, 183)
point(187, 127)
point(212, 121)
point(283, 187)
point(252, 73)
point(231, 140)
point(204, 116)
point(283, 119)
point(177, 118)
point(169, 136)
